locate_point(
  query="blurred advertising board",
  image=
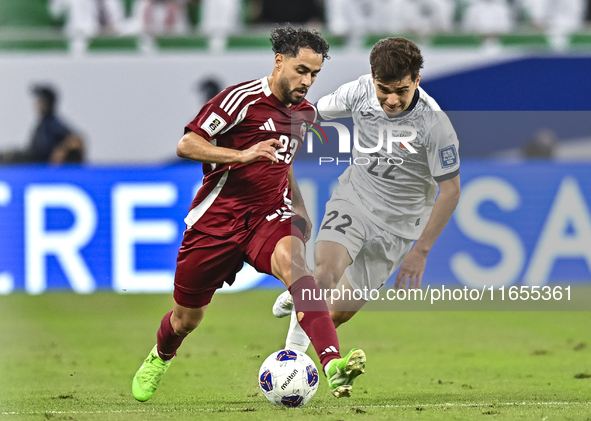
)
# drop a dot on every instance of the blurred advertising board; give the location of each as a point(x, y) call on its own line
point(119, 228)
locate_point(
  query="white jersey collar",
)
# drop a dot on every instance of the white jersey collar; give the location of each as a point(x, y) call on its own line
point(265, 83)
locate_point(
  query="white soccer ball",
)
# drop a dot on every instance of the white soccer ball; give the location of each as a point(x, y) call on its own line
point(288, 378)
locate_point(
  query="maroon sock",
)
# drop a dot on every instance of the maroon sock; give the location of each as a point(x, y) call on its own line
point(168, 340)
point(307, 299)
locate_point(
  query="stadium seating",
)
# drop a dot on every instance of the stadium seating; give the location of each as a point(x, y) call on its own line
point(36, 41)
point(34, 45)
point(248, 42)
point(27, 26)
point(456, 40)
point(181, 43)
point(370, 40)
point(113, 44)
point(26, 14)
point(524, 40)
point(582, 40)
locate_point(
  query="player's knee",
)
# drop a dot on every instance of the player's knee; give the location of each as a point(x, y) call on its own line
point(185, 327)
point(325, 276)
point(288, 260)
point(185, 324)
point(281, 262)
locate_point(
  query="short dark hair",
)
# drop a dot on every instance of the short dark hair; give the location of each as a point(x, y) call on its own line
point(288, 41)
point(47, 95)
point(394, 59)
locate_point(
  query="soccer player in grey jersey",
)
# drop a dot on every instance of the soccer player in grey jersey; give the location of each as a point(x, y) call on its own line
point(386, 202)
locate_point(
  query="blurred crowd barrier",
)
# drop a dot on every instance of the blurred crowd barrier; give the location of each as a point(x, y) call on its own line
point(153, 25)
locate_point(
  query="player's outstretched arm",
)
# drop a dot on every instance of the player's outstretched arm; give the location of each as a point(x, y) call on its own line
point(192, 146)
point(413, 265)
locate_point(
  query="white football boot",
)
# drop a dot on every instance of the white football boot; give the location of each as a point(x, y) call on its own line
point(283, 305)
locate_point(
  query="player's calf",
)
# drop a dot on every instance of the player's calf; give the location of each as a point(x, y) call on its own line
point(312, 314)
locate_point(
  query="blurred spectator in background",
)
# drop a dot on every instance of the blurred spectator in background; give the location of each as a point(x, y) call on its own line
point(159, 17)
point(436, 15)
point(208, 88)
point(418, 16)
point(360, 17)
point(396, 16)
point(52, 140)
point(542, 145)
point(488, 17)
point(88, 18)
point(349, 17)
point(220, 17)
point(284, 11)
point(555, 16)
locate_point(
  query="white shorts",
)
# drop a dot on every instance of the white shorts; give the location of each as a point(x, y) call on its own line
point(376, 253)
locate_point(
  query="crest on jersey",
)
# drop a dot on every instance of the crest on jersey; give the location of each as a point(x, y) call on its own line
point(448, 156)
point(213, 124)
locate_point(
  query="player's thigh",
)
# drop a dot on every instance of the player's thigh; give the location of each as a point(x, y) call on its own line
point(340, 238)
point(277, 247)
point(204, 263)
point(330, 261)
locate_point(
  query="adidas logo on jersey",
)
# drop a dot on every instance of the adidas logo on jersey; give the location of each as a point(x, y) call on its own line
point(269, 125)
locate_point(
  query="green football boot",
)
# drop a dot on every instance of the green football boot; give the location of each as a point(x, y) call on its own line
point(148, 377)
point(342, 372)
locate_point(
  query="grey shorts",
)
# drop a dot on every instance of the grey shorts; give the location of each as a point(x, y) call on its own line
point(376, 254)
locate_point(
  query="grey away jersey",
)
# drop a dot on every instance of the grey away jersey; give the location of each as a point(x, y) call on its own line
point(398, 197)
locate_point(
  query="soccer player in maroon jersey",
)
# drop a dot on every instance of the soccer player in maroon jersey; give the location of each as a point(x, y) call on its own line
point(249, 208)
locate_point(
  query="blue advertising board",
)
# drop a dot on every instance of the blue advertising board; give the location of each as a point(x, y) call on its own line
point(106, 228)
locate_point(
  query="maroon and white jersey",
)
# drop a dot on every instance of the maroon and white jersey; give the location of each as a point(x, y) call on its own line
point(237, 196)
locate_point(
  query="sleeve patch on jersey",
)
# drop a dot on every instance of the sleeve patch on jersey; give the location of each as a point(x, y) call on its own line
point(448, 156)
point(213, 124)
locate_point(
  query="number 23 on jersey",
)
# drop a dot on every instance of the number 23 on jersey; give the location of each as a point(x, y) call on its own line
point(287, 150)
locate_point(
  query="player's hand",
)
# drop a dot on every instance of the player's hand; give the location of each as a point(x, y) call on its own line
point(411, 271)
point(265, 149)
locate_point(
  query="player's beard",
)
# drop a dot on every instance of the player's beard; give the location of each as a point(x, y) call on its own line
point(287, 92)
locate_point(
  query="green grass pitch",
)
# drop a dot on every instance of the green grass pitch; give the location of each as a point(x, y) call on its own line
point(72, 357)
